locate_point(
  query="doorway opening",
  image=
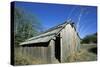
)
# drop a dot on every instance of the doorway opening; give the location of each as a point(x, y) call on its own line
point(57, 48)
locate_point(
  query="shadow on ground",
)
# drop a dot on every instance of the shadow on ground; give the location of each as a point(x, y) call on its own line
point(93, 50)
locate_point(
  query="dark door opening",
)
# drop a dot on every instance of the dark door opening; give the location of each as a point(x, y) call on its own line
point(57, 48)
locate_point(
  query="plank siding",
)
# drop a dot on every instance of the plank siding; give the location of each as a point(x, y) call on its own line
point(69, 42)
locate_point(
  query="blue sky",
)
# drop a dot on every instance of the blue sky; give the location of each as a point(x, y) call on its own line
point(50, 15)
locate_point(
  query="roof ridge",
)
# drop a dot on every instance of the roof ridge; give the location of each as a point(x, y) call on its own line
point(53, 28)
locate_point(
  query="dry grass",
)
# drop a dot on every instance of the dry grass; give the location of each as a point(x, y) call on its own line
point(22, 59)
point(83, 55)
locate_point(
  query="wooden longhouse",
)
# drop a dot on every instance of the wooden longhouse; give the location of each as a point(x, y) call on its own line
point(55, 44)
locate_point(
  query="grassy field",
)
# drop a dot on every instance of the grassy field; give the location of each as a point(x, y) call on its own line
point(87, 52)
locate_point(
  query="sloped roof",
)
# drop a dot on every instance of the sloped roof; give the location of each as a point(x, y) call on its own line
point(45, 36)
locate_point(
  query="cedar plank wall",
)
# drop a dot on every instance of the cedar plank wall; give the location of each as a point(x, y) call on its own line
point(40, 52)
point(69, 42)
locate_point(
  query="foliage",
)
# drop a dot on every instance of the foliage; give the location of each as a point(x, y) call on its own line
point(90, 39)
point(25, 26)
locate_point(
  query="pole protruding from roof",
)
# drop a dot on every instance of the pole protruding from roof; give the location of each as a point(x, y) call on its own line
point(69, 20)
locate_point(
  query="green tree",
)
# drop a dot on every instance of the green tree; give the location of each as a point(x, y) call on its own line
point(26, 25)
point(90, 39)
